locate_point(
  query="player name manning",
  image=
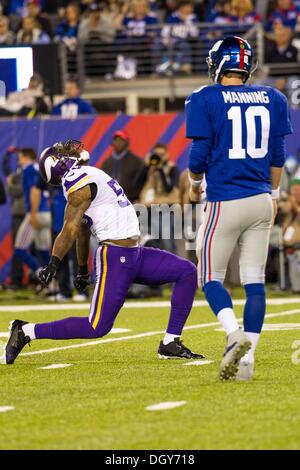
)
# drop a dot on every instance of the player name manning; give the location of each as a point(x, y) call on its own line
point(245, 97)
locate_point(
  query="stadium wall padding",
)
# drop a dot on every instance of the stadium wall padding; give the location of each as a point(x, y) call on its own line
point(96, 133)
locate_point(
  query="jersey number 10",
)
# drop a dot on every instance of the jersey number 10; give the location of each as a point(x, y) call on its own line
point(235, 115)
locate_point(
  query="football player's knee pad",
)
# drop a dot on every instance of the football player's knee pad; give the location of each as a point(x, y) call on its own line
point(255, 289)
point(252, 274)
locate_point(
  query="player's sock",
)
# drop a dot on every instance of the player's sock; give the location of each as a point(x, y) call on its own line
point(25, 257)
point(68, 328)
point(254, 338)
point(228, 320)
point(169, 338)
point(182, 297)
point(29, 330)
point(254, 314)
point(221, 304)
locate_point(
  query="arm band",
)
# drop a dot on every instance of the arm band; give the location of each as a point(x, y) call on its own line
point(195, 182)
point(275, 193)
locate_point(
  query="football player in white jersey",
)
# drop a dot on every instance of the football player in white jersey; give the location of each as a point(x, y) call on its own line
point(97, 204)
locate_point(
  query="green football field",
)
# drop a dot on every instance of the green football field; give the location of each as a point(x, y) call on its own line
point(100, 400)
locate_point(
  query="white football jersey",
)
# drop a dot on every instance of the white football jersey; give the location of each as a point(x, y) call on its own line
point(110, 216)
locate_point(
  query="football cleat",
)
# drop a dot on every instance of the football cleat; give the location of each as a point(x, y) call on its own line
point(176, 350)
point(237, 346)
point(245, 371)
point(16, 341)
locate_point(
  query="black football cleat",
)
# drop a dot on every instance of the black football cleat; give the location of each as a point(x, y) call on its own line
point(16, 341)
point(176, 350)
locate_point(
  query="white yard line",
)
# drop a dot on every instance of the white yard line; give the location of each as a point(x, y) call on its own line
point(4, 409)
point(197, 363)
point(142, 335)
point(166, 405)
point(134, 305)
point(55, 366)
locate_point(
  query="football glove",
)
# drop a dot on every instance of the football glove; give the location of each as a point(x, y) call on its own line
point(82, 279)
point(46, 274)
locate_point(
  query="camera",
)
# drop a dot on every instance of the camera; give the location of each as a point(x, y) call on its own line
point(154, 159)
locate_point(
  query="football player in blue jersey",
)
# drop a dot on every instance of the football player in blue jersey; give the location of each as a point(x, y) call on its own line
point(238, 134)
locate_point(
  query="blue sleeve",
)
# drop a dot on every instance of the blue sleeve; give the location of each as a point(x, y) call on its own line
point(40, 183)
point(86, 108)
point(56, 111)
point(198, 122)
point(28, 180)
point(60, 30)
point(279, 153)
point(199, 155)
point(283, 124)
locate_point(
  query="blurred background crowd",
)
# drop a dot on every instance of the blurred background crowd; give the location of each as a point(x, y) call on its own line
point(117, 42)
point(151, 28)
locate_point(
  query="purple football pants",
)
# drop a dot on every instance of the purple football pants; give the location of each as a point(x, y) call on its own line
point(116, 269)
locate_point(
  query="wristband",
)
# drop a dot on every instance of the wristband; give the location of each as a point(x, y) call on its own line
point(195, 182)
point(275, 193)
point(83, 270)
point(54, 261)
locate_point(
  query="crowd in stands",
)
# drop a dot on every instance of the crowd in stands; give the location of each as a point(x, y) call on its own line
point(154, 23)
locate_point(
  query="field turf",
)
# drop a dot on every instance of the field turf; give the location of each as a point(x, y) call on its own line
point(100, 401)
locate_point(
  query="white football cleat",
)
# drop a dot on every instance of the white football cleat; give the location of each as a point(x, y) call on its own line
point(237, 346)
point(245, 371)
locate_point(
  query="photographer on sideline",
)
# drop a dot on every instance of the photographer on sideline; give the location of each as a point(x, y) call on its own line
point(123, 165)
point(160, 185)
point(289, 212)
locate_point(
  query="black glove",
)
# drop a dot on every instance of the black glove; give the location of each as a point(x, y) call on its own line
point(46, 274)
point(82, 280)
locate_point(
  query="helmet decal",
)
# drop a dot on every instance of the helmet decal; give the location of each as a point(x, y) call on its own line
point(230, 54)
point(50, 162)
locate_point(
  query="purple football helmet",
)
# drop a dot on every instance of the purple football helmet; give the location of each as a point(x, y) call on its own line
point(53, 165)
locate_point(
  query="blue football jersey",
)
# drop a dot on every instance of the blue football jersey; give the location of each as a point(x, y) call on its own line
point(241, 124)
point(29, 179)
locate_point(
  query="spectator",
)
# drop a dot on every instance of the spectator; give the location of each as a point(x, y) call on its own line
point(140, 23)
point(181, 27)
point(54, 7)
point(280, 50)
point(16, 7)
point(95, 27)
point(32, 229)
point(73, 105)
point(31, 32)
point(243, 12)
point(7, 37)
point(123, 165)
point(159, 181)
point(34, 11)
point(30, 102)
point(17, 200)
point(286, 14)
point(67, 30)
point(221, 13)
point(290, 213)
point(114, 12)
